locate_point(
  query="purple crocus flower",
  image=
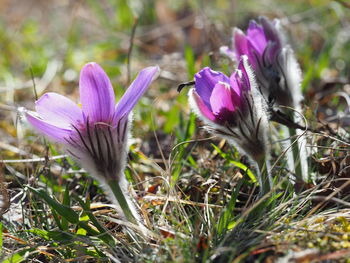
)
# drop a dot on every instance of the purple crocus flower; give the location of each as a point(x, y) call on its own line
point(277, 71)
point(231, 108)
point(96, 134)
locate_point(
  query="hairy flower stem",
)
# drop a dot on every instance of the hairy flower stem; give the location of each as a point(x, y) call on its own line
point(264, 176)
point(296, 148)
point(119, 195)
point(296, 157)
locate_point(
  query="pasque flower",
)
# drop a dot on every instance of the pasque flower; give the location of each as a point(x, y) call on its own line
point(277, 71)
point(232, 108)
point(96, 134)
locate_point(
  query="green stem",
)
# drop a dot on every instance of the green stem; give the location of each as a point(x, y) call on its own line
point(296, 156)
point(119, 195)
point(264, 175)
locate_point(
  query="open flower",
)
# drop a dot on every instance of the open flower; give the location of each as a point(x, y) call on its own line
point(277, 71)
point(96, 134)
point(231, 108)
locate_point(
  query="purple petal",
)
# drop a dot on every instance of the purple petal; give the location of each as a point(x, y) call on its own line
point(241, 43)
point(271, 52)
point(221, 98)
point(236, 86)
point(226, 51)
point(254, 57)
point(206, 79)
point(203, 109)
point(55, 133)
point(271, 32)
point(135, 91)
point(245, 47)
point(96, 93)
point(256, 36)
point(58, 110)
point(245, 78)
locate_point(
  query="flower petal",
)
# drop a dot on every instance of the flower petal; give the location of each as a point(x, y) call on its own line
point(199, 107)
point(245, 47)
point(245, 70)
point(135, 91)
point(256, 36)
point(96, 93)
point(58, 110)
point(271, 32)
point(205, 80)
point(55, 133)
point(240, 42)
point(236, 86)
point(221, 98)
point(226, 51)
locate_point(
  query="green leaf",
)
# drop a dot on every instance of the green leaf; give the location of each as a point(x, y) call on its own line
point(245, 169)
point(40, 232)
point(81, 231)
point(19, 256)
point(58, 236)
point(104, 236)
point(226, 220)
point(66, 202)
point(235, 163)
point(56, 218)
point(67, 212)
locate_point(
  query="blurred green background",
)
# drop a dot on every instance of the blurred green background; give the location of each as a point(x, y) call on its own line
point(54, 39)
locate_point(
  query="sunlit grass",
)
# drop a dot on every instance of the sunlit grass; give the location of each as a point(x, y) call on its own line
point(197, 194)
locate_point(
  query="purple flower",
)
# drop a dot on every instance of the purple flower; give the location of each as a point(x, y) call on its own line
point(262, 42)
point(231, 108)
point(277, 71)
point(96, 134)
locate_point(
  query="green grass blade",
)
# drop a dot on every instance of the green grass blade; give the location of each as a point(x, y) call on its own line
point(237, 164)
point(18, 256)
point(66, 202)
point(104, 236)
point(67, 212)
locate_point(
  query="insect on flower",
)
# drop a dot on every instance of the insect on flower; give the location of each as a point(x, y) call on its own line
point(232, 108)
point(96, 134)
point(277, 71)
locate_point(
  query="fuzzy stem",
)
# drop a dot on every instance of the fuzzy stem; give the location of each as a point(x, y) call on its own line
point(286, 146)
point(119, 195)
point(300, 160)
point(265, 179)
point(296, 156)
